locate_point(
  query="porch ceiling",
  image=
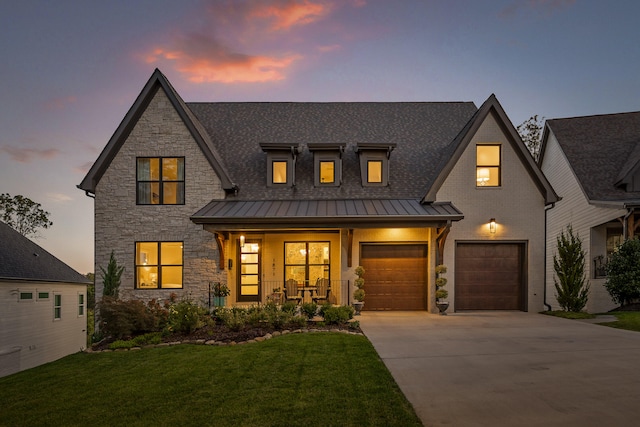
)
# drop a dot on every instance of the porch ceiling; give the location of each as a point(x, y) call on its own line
point(351, 213)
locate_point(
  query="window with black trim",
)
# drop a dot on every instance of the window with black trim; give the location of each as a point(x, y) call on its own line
point(327, 161)
point(488, 159)
point(159, 265)
point(160, 180)
point(306, 262)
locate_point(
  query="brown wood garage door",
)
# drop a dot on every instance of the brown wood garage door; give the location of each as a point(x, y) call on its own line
point(489, 276)
point(395, 276)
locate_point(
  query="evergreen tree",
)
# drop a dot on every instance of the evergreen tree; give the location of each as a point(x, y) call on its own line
point(111, 277)
point(623, 272)
point(571, 290)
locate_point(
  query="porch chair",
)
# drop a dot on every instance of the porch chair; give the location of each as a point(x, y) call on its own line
point(291, 291)
point(323, 288)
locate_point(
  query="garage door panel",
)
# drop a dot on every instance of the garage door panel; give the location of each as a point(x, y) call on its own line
point(489, 276)
point(395, 276)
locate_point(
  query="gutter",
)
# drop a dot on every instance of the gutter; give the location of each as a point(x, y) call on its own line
point(544, 297)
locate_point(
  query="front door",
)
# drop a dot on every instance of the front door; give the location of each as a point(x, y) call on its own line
point(249, 271)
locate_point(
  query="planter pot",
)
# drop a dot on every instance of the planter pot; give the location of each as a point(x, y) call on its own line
point(357, 305)
point(442, 306)
point(219, 301)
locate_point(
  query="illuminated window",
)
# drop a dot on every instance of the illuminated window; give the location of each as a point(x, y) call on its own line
point(306, 262)
point(159, 265)
point(279, 175)
point(327, 172)
point(160, 181)
point(374, 171)
point(249, 266)
point(487, 165)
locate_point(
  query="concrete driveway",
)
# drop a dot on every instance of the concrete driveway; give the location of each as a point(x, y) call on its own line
point(510, 368)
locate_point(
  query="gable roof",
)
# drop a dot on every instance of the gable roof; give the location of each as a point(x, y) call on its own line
point(156, 82)
point(602, 151)
point(22, 259)
point(420, 130)
point(453, 152)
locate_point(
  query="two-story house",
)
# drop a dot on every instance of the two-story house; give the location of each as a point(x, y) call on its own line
point(256, 195)
point(593, 162)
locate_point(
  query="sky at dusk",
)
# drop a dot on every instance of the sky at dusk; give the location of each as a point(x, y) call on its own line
point(70, 70)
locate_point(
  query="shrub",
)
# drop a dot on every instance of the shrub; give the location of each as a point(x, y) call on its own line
point(186, 316)
point(278, 319)
point(121, 319)
point(289, 307)
point(571, 290)
point(309, 309)
point(337, 315)
point(298, 321)
point(140, 340)
point(111, 277)
point(234, 318)
point(623, 273)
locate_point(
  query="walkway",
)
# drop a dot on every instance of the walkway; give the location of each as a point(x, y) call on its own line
point(510, 368)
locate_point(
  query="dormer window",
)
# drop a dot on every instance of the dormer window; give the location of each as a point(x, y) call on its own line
point(374, 163)
point(327, 161)
point(281, 160)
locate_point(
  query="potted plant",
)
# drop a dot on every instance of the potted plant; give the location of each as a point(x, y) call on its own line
point(441, 293)
point(220, 293)
point(276, 295)
point(358, 294)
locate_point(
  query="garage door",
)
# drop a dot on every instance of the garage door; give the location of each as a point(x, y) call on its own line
point(489, 276)
point(395, 276)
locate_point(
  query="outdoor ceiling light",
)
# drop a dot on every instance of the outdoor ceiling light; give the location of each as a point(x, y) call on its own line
point(492, 225)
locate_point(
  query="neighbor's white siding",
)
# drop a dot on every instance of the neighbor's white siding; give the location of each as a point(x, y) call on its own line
point(517, 205)
point(29, 334)
point(573, 209)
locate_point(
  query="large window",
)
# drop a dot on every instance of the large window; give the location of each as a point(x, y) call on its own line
point(160, 181)
point(159, 265)
point(306, 262)
point(487, 165)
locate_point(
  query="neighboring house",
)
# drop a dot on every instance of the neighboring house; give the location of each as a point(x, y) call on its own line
point(42, 305)
point(593, 163)
point(257, 194)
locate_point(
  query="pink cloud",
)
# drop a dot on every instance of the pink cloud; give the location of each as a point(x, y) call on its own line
point(290, 13)
point(83, 168)
point(329, 48)
point(27, 155)
point(546, 6)
point(202, 60)
point(60, 103)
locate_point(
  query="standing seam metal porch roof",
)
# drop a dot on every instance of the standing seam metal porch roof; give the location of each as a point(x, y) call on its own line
point(324, 213)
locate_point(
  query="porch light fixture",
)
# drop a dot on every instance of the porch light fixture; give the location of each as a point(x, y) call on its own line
point(492, 225)
point(482, 176)
point(242, 241)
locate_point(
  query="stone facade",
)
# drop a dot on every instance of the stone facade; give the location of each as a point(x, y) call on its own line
point(120, 222)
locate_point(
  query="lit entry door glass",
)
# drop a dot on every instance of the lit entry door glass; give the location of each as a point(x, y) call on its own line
point(249, 272)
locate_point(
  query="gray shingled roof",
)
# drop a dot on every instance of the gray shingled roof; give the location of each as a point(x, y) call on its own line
point(599, 149)
point(422, 131)
point(22, 259)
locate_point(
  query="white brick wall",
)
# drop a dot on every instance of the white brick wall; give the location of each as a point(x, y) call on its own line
point(119, 222)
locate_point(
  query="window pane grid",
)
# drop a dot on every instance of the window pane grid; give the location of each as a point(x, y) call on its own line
point(160, 181)
point(306, 262)
point(159, 265)
point(488, 166)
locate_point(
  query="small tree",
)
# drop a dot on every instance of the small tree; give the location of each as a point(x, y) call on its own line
point(572, 292)
point(623, 272)
point(23, 214)
point(531, 133)
point(441, 282)
point(111, 277)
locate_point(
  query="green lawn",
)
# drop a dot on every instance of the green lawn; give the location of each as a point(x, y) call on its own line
point(329, 379)
point(629, 320)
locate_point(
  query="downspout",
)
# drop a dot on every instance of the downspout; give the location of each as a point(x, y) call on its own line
point(544, 297)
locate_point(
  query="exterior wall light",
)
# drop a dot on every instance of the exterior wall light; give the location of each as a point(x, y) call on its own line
point(492, 225)
point(242, 241)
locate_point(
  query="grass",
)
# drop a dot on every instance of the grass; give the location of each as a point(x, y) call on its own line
point(629, 320)
point(570, 314)
point(328, 379)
